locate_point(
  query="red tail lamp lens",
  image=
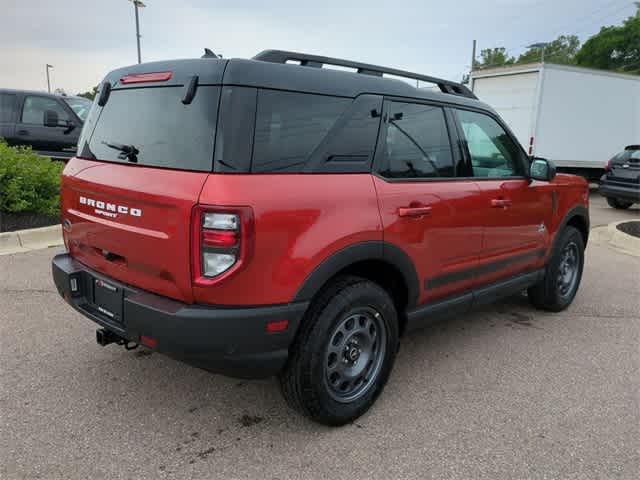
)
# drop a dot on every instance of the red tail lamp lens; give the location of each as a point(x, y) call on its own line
point(218, 238)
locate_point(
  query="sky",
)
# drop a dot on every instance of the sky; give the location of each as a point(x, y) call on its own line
point(85, 39)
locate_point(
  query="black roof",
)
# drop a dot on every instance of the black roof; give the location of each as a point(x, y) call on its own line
point(271, 73)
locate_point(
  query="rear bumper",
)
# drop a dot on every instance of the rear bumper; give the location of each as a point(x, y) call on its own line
point(230, 341)
point(628, 193)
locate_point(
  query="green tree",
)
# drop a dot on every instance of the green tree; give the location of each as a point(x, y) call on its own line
point(562, 50)
point(494, 57)
point(90, 94)
point(614, 48)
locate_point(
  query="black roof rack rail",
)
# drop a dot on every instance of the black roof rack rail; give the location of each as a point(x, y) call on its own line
point(282, 56)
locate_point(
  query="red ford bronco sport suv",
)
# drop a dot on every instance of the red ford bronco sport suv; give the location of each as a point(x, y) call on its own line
point(276, 216)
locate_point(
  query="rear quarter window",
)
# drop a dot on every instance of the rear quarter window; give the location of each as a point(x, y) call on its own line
point(154, 120)
point(289, 127)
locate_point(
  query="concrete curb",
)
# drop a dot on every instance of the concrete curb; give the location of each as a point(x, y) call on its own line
point(622, 240)
point(616, 239)
point(30, 239)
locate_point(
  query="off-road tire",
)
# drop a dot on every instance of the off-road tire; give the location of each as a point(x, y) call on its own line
point(546, 294)
point(303, 380)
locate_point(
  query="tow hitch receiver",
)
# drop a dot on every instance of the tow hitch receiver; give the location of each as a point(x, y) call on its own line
point(105, 337)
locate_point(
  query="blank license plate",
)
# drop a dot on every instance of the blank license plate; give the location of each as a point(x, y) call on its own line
point(108, 299)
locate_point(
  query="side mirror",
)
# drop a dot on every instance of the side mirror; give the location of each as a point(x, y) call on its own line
point(542, 169)
point(51, 118)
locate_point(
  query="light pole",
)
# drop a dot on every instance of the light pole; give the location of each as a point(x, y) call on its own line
point(541, 46)
point(138, 4)
point(48, 81)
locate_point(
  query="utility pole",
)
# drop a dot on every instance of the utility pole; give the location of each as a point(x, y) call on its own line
point(473, 56)
point(138, 4)
point(48, 80)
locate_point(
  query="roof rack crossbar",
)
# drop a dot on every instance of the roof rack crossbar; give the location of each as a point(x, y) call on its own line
point(282, 56)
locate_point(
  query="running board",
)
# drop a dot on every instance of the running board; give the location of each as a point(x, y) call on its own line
point(434, 312)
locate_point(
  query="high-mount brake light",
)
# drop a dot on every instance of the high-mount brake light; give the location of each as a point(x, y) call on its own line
point(146, 77)
point(220, 241)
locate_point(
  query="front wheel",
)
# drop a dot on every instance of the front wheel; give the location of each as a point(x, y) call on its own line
point(344, 352)
point(618, 204)
point(563, 273)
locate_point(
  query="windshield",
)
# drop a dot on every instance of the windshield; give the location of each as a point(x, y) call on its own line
point(80, 106)
point(151, 126)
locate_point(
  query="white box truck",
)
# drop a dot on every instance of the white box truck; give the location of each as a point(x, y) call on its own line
point(577, 117)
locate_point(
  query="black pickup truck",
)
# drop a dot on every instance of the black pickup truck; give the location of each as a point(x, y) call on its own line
point(51, 124)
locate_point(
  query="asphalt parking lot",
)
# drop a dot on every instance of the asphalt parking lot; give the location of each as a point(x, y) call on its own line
point(506, 392)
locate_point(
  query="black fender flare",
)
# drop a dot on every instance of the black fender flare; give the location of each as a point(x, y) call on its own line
point(358, 252)
point(577, 211)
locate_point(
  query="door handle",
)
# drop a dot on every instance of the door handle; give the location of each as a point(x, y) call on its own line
point(414, 211)
point(501, 203)
point(23, 132)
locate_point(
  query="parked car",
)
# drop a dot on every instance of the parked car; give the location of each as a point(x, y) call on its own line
point(621, 182)
point(258, 217)
point(46, 122)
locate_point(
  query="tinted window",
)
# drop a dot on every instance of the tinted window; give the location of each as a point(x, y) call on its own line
point(165, 132)
point(356, 135)
point(417, 142)
point(34, 108)
point(493, 152)
point(234, 136)
point(7, 105)
point(289, 126)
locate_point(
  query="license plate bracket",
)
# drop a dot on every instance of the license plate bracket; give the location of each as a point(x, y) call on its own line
point(107, 299)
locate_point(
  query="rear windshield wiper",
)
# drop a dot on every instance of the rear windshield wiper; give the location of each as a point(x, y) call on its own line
point(128, 152)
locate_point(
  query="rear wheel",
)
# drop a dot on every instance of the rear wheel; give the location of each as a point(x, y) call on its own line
point(618, 204)
point(344, 352)
point(563, 273)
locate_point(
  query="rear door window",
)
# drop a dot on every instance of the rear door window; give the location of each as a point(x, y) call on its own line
point(289, 127)
point(164, 131)
point(416, 144)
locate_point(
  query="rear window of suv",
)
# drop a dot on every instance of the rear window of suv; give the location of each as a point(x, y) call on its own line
point(627, 156)
point(164, 131)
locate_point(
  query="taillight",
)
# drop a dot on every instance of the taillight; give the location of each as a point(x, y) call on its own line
point(607, 166)
point(146, 77)
point(221, 239)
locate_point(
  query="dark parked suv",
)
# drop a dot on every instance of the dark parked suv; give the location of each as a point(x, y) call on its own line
point(620, 184)
point(274, 216)
point(48, 123)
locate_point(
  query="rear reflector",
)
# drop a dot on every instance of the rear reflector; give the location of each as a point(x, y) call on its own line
point(148, 341)
point(277, 326)
point(146, 77)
